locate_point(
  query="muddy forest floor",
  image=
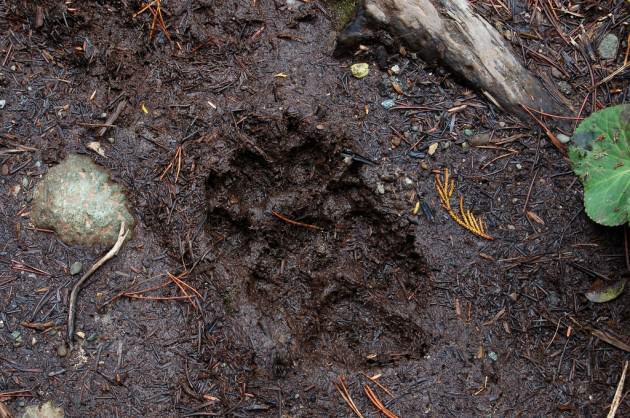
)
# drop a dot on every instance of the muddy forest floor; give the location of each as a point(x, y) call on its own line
point(248, 103)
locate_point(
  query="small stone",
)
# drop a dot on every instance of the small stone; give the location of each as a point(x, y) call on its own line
point(17, 336)
point(493, 356)
point(75, 268)
point(432, 148)
point(608, 47)
point(424, 165)
point(563, 138)
point(446, 144)
point(47, 410)
point(407, 183)
point(480, 139)
point(469, 132)
point(502, 124)
point(511, 227)
point(465, 146)
point(111, 140)
point(319, 127)
point(565, 88)
point(395, 141)
point(514, 296)
point(413, 55)
point(77, 200)
point(388, 104)
point(25, 182)
point(80, 334)
point(3, 103)
point(380, 188)
point(395, 69)
point(62, 350)
point(519, 166)
point(360, 70)
point(4, 170)
point(557, 74)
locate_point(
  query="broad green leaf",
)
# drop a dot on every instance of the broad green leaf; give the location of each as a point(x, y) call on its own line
point(606, 293)
point(600, 155)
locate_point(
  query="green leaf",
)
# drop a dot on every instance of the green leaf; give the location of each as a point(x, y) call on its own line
point(607, 293)
point(600, 155)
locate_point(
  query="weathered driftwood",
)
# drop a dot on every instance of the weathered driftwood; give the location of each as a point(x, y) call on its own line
point(450, 32)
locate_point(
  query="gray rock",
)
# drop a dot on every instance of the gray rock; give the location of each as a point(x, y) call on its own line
point(565, 88)
point(62, 349)
point(563, 138)
point(47, 410)
point(469, 132)
point(608, 47)
point(80, 203)
point(75, 268)
point(3, 103)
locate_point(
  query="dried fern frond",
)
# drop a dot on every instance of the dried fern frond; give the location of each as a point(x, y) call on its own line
point(445, 188)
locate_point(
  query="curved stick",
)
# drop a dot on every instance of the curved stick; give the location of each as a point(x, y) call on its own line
point(77, 287)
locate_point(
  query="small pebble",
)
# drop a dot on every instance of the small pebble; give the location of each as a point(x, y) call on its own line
point(380, 188)
point(519, 166)
point(465, 146)
point(432, 148)
point(111, 140)
point(416, 154)
point(565, 88)
point(388, 104)
point(493, 356)
point(469, 132)
point(4, 170)
point(25, 182)
point(608, 46)
point(424, 165)
point(3, 103)
point(502, 124)
point(395, 69)
point(563, 138)
point(360, 70)
point(62, 350)
point(80, 334)
point(75, 268)
point(407, 183)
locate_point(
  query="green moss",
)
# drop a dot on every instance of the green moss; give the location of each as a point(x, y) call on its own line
point(343, 11)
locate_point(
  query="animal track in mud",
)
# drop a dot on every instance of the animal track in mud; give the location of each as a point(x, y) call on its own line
point(350, 293)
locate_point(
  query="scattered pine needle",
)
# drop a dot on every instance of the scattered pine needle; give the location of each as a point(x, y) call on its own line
point(177, 162)
point(343, 391)
point(377, 402)
point(155, 7)
point(296, 223)
point(465, 218)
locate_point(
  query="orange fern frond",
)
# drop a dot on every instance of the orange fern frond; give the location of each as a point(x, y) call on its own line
point(445, 188)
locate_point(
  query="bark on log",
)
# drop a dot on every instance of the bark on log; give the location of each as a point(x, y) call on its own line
point(452, 33)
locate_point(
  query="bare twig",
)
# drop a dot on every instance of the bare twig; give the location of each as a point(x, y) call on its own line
point(112, 118)
point(122, 234)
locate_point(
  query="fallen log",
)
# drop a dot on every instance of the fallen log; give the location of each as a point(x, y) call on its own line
point(451, 33)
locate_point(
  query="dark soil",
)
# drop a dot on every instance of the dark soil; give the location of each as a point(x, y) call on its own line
point(262, 116)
